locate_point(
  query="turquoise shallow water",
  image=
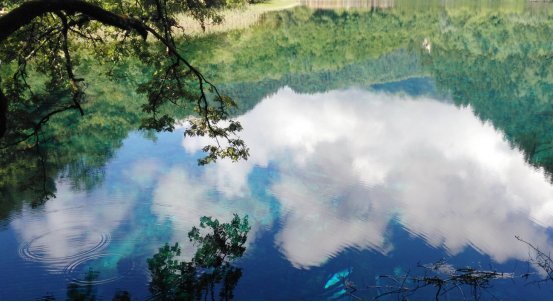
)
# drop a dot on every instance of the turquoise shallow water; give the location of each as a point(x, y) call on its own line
point(368, 183)
point(387, 145)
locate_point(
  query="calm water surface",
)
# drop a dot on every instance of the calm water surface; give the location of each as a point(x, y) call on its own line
point(373, 152)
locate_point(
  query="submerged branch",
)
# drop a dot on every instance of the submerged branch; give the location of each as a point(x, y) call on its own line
point(541, 259)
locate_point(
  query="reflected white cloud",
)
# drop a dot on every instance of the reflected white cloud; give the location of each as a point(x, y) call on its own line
point(351, 160)
point(71, 227)
point(347, 162)
point(144, 173)
point(183, 198)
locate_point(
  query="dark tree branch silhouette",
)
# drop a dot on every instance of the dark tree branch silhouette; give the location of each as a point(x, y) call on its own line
point(44, 29)
point(28, 11)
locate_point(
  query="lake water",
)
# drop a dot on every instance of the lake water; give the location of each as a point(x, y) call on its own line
point(384, 141)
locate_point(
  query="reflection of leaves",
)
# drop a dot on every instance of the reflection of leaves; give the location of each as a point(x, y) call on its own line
point(500, 65)
point(72, 147)
point(122, 295)
point(171, 279)
point(231, 278)
point(226, 240)
point(86, 292)
point(195, 280)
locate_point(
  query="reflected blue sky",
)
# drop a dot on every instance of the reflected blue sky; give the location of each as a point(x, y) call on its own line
point(351, 161)
point(327, 173)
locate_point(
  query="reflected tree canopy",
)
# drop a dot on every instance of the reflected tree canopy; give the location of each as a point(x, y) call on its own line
point(209, 271)
point(495, 62)
point(173, 279)
point(289, 49)
point(84, 289)
point(500, 66)
point(42, 77)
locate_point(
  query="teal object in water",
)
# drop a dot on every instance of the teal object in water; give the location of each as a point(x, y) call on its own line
point(337, 277)
point(398, 271)
point(338, 294)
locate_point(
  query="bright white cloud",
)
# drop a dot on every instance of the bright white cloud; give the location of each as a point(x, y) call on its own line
point(347, 163)
point(73, 226)
point(350, 160)
point(183, 198)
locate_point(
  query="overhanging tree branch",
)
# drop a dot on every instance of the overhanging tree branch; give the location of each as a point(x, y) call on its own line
point(170, 88)
point(26, 12)
point(76, 90)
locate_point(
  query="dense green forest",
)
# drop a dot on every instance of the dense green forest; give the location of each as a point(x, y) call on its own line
point(485, 61)
point(500, 65)
point(497, 62)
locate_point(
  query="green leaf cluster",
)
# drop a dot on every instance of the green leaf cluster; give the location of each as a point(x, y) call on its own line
point(173, 279)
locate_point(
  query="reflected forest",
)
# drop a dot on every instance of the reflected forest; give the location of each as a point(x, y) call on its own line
point(276, 150)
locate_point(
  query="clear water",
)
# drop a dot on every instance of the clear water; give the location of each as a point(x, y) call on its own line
point(371, 160)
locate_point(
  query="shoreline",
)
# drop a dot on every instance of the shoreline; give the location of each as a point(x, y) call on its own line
point(239, 18)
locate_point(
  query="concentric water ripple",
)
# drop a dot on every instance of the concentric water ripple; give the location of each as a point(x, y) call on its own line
point(64, 246)
point(108, 266)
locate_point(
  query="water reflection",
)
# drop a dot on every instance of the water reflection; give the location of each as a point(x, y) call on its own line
point(328, 171)
point(218, 243)
point(346, 4)
point(351, 162)
point(333, 169)
point(180, 198)
point(72, 229)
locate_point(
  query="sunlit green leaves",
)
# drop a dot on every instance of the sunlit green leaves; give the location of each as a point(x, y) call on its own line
point(233, 148)
point(45, 75)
